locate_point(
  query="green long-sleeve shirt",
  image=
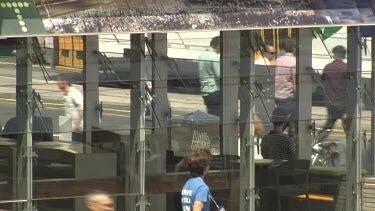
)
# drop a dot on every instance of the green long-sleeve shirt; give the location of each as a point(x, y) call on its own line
point(209, 71)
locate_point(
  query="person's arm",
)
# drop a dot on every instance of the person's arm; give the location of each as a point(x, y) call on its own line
point(216, 66)
point(258, 126)
point(198, 206)
point(324, 74)
point(292, 150)
point(77, 124)
point(201, 198)
point(294, 77)
point(78, 101)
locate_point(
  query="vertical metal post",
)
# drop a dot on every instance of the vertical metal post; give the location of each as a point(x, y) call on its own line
point(160, 104)
point(160, 113)
point(55, 53)
point(24, 166)
point(160, 80)
point(247, 111)
point(229, 86)
point(136, 158)
point(90, 86)
point(304, 92)
point(373, 103)
point(353, 148)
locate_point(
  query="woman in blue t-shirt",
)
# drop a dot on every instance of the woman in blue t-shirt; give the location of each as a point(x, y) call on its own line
point(195, 195)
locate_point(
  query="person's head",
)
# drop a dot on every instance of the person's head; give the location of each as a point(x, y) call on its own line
point(339, 52)
point(215, 44)
point(279, 117)
point(63, 82)
point(290, 46)
point(99, 201)
point(269, 52)
point(199, 162)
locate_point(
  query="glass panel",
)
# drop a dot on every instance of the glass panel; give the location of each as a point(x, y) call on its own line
point(149, 102)
point(12, 164)
point(108, 200)
point(87, 119)
point(12, 205)
point(194, 96)
point(367, 106)
point(322, 156)
point(334, 85)
point(73, 167)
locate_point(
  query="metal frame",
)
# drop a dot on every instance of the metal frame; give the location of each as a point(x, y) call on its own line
point(353, 148)
point(373, 104)
point(135, 165)
point(160, 103)
point(160, 109)
point(247, 112)
point(24, 169)
point(304, 85)
point(90, 87)
point(229, 86)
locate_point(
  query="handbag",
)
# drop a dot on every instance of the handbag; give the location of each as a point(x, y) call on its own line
point(219, 208)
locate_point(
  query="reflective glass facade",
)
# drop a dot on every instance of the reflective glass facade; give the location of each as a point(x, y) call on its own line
point(287, 113)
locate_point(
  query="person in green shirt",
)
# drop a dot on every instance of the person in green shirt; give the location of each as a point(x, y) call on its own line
point(209, 77)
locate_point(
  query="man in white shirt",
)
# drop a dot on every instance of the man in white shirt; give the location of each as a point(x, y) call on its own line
point(73, 102)
point(266, 56)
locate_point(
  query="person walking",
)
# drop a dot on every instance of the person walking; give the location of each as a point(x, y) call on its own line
point(285, 84)
point(195, 195)
point(209, 77)
point(73, 102)
point(335, 77)
point(73, 105)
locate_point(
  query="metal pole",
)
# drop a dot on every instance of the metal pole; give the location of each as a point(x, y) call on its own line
point(160, 110)
point(247, 111)
point(24, 168)
point(353, 148)
point(135, 168)
point(160, 103)
point(373, 103)
point(229, 87)
point(304, 91)
point(90, 87)
point(55, 53)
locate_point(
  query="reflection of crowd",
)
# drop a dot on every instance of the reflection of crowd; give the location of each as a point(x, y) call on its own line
point(175, 15)
point(274, 18)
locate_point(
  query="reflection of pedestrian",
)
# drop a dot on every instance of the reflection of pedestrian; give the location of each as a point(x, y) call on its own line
point(276, 145)
point(267, 55)
point(73, 102)
point(99, 201)
point(209, 76)
point(285, 83)
point(335, 76)
point(282, 49)
point(195, 195)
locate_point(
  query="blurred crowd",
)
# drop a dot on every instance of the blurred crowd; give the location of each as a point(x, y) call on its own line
point(176, 15)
